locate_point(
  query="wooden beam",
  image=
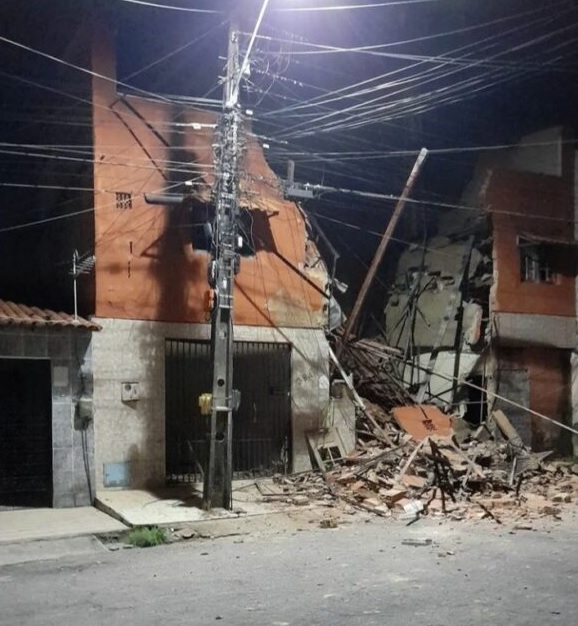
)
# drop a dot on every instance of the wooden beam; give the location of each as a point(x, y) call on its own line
point(353, 317)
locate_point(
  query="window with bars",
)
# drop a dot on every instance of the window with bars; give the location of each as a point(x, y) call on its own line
point(123, 200)
point(536, 263)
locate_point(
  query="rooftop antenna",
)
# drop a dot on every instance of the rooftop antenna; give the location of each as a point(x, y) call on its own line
point(80, 265)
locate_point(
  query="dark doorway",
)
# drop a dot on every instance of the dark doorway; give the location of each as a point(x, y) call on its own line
point(476, 401)
point(261, 426)
point(25, 433)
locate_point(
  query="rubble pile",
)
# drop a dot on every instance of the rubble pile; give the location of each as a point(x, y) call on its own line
point(409, 466)
point(376, 376)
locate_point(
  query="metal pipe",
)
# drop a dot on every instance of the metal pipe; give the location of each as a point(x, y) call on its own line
point(74, 277)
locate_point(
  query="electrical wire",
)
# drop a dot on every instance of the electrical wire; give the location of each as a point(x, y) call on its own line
point(156, 5)
point(375, 5)
point(496, 37)
point(83, 69)
point(459, 31)
point(91, 161)
point(371, 104)
point(184, 164)
point(472, 63)
point(350, 7)
point(169, 55)
point(64, 216)
point(444, 205)
point(344, 156)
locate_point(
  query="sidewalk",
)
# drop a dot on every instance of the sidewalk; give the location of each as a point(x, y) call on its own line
point(115, 511)
point(28, 535)
point(179, 505)
point(34, 524)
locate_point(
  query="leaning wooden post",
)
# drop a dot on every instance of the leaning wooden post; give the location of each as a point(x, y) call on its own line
point(352, 319)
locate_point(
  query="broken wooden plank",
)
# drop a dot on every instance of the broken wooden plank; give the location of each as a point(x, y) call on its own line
point(417, 482)
point(473, 466)
point(381, 248)
point(411, 459)
point(507, 429)
point(391, 496)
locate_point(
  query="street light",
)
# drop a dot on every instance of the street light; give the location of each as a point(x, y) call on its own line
point(232, 101)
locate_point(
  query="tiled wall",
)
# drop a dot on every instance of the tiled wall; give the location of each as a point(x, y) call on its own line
point(70, 355)
point(133, 433)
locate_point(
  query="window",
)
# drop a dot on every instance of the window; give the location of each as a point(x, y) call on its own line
point(202, 229)
point(123, 200)
point(536, 263)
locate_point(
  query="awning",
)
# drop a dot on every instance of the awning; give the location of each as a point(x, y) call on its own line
point(532, 238)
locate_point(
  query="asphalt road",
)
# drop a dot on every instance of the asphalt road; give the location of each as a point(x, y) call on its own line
point(357, 574)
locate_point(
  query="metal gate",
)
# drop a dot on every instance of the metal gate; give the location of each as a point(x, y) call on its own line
point(261, 426)
point(25, 433)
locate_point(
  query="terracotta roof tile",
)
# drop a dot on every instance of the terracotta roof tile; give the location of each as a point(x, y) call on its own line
point(12, 314)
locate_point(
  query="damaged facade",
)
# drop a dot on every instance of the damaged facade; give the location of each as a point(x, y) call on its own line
point(152, 300)
point(488, 302)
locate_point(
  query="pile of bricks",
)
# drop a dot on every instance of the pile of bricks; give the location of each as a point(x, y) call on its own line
point(415, 461)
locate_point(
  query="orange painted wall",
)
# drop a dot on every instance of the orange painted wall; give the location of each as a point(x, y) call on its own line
point(513, 198)
point(146, 268)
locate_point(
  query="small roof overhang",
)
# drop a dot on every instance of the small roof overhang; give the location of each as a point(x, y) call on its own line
point(12, 314)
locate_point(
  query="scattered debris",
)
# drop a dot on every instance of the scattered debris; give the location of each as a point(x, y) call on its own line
point(188, 534)
point(421, 421)
point(328, 522)
point(396, 472)
point(416, 542)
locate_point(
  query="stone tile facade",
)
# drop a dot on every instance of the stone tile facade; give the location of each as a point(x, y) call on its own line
point(70, 354)
point(132, 434)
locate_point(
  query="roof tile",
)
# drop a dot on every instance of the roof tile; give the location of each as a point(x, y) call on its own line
point(12, 314)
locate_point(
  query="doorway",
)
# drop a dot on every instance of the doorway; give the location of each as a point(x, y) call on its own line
point(25, 433)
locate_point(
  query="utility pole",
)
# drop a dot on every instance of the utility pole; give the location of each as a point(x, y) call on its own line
point(308, 191)
point(223, 400)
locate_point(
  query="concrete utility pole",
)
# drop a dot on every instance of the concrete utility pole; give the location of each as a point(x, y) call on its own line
point(223, 400)
point(219, 405)
point(308, 191)
point(354, 315)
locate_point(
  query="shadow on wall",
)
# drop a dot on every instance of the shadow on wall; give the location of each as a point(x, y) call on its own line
point(175, 271)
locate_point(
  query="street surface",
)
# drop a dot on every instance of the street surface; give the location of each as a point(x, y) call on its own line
point(356, 574)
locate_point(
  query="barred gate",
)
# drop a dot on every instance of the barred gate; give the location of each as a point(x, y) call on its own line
point(261, 426)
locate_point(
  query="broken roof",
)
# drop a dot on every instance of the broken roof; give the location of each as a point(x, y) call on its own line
point(12, 314)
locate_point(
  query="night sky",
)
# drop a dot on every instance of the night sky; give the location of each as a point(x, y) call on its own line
point(510, 68)
point(445, 74)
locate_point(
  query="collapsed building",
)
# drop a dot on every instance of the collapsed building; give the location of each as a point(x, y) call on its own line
point(483, 309)
point(471, 381)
